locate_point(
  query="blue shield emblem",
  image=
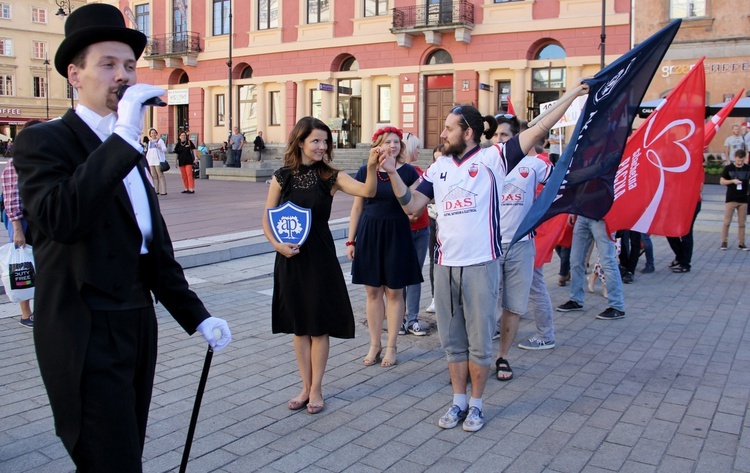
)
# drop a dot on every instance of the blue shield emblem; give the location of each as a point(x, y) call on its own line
point(290, 223)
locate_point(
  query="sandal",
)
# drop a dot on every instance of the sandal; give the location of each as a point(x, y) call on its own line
point(371, 361)
point(502, 365)
point(680, 269)
point(388, 362)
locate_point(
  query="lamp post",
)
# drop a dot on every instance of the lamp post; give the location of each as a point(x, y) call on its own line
point(64, 8)
point(61, 11)
point(46, 82)
point(229, 66)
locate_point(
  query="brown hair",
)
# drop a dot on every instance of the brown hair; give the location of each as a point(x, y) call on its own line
point(300, 132)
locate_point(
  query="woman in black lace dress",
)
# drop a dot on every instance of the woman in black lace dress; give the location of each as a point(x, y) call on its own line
point(310, 299)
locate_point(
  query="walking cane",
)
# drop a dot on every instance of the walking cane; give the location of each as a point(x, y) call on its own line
point(196, 409)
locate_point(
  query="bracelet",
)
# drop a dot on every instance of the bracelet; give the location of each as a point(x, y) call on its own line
point(351, 243)
point(406, 198)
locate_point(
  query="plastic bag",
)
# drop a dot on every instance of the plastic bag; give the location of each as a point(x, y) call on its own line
point(18, 273)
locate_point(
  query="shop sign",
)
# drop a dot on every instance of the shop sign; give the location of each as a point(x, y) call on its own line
point(325, 87)
point(712, 68)
point(10, 111)
point(178, 97)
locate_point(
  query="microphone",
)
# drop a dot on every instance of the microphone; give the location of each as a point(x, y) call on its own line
point(152, 102)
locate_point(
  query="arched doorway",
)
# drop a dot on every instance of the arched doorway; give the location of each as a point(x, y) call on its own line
point(349, 106)
point(438, 98)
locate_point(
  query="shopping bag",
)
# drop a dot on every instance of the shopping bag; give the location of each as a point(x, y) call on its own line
point(18, 274)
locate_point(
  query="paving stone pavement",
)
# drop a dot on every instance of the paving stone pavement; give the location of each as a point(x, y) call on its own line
point(665, 389)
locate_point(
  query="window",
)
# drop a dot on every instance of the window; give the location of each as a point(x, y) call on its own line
point(248, 98)
point(143, 18)
point(376, 7)
point(548, 78)
point(274, 102)
point(221, 17)
point(687, 8)
point(317, 11)
point(6, 84)
point(350, 64)
point(550, 51)
point(503, 95)
point(247, 73)
point(69, 91)
point(441, 56)
point(220, 109)
point(268, 14)
point(40, 87)
point(6, 47)
point(179, 22)
point(5, 11)
point(39, 49)
point(316, 103)
point(38, 15)
point(384, 103)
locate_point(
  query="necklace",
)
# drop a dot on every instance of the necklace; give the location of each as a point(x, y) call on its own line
point(384, 179)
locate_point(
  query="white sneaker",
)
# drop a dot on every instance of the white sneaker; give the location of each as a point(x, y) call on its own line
point(431, 308)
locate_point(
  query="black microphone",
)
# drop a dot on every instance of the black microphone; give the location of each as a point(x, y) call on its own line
point(152, 102)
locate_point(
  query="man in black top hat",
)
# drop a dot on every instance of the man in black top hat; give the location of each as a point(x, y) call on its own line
point(102, 249)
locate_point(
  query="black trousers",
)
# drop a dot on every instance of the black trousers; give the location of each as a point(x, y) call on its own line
point(116, 384)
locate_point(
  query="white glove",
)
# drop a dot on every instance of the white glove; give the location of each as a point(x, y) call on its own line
point(211, 325)
point(130, 110)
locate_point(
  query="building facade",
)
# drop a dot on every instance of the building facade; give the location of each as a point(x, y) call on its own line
point(30, 32)
point(358, 64)
point(716, 29)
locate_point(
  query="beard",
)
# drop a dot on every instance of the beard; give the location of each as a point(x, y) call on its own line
point(455, 149)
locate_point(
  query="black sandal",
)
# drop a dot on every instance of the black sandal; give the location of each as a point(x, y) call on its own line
point(502, 365)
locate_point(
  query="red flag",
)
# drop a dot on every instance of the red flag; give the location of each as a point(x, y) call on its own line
point(551, 233)
point(657, 184)
point(511, 110)
point(715, 123)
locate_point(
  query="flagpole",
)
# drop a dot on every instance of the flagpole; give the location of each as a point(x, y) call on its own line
point(571, 93)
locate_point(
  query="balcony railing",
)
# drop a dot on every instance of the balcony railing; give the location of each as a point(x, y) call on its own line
point(173, 44)
point(433, 15)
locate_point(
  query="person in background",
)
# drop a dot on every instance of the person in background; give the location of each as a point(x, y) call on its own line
point(310, 299)
point(735, 176)
point(15, 223)
point(259, 145)
point(155, 149)
point(682, 247)
point(102, 249)
point(237, 141)
point(555, 147)
point(185, 150)
point(432, 213)
point(732, 143)
point(385, 260)
point(420, 235)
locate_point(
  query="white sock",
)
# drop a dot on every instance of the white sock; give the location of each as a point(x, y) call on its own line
point(460, 401)
point(474, 402)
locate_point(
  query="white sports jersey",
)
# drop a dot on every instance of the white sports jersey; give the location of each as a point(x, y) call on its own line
point(519, 192)
point(467, 197)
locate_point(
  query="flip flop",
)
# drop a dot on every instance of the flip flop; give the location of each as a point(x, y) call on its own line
point(502, 365)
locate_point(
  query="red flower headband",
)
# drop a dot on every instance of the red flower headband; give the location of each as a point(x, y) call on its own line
point(387, 129)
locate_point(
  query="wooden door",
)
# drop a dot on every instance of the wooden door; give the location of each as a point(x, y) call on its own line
point(438, 104)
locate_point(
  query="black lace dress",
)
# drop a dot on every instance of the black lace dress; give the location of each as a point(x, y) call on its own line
point(309, 291)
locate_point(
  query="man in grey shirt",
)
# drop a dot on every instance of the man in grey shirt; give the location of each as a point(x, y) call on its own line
point(237, 140)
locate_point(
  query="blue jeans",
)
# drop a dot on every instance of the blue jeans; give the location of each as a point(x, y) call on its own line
point(585, 232)
point(648, 248)
point(545, 326)
point(413, 293)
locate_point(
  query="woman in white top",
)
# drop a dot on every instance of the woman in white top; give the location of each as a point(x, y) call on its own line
point(155, 156)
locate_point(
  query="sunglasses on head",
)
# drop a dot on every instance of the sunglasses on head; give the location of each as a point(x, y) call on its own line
point(458, 111)
point(505, 115)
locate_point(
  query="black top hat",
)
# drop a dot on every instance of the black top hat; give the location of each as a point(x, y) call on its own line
point(95, 23)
